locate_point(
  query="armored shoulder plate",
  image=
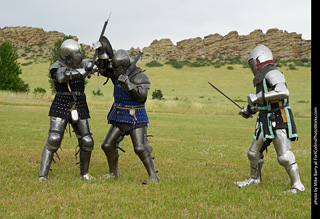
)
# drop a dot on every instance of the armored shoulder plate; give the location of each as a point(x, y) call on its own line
point(141, 79)
point(55, 65)
point(274, 77)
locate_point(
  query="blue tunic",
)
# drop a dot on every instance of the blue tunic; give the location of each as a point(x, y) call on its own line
point(126, 109)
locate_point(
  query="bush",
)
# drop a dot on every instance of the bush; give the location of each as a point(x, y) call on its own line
point(39, 90)
point(153, 64)
point(174, 63)
point(157, 94)
point(97, 93)
point(230, 67)
point(292, 67)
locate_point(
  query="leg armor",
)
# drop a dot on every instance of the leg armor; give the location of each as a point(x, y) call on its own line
point(256, 162)
point(86, 143)
point(286, 159)
point(57, 127)
point(143, 149)
point(109, 148)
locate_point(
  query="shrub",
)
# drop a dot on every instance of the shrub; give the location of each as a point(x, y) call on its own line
point(39, 90)
point(292, 67)
point(157, 94)
point(153, 64)
point(174, 63)
point(97, 93)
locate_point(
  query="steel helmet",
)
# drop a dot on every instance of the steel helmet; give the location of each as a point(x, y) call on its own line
point(258, 57)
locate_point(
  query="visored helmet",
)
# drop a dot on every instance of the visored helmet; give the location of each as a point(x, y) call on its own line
point(120, 62)
point(71, 53)
point(258, 57)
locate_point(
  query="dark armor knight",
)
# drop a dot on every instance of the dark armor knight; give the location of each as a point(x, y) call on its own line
point(69, 106)
point(128, 115)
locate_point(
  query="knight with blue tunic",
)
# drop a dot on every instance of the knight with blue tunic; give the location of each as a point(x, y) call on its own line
point(128, 115)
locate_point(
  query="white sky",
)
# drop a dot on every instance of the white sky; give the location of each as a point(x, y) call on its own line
point(137, 23)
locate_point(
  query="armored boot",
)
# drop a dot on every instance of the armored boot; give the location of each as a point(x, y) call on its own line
point(112, 157)
point(46, 160)
point(84, 164)
point(296, 184)
point(255, 175)
point(150, 167)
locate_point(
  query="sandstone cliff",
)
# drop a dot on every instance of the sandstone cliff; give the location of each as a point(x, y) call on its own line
point(31, 41)
point(284, 45)
point(35, 42)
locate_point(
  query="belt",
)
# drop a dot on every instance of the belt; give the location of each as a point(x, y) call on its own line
point(272, 109)
point(76, 93)
point(122, 106)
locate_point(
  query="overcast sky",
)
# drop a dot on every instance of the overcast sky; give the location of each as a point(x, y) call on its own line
point(137, 23)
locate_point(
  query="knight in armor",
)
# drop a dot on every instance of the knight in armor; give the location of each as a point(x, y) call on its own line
point(275, 121)
point(69, 106)
point(128, 114)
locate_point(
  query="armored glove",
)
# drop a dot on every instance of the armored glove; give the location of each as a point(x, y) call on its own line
point(90, 66)
point(248, 111)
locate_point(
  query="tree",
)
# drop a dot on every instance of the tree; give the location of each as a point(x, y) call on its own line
point(55, 56)
point(10, 69)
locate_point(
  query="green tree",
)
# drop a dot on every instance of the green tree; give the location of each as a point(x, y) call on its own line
point(55, 53)
point(10, 69)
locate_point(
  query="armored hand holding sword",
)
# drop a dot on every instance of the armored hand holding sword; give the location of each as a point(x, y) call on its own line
point(69, 106)
point(275, 121)
point(128, 114)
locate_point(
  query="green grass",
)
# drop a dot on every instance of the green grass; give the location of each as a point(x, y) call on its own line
point(200, 146)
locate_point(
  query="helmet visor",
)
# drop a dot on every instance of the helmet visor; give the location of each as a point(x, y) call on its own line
point(253, 66)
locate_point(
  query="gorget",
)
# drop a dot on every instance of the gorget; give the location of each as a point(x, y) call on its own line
point(261, 73)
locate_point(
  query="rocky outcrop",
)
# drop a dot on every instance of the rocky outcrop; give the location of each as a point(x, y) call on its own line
point(35, 42)
point(30, 41)
point(284, 45)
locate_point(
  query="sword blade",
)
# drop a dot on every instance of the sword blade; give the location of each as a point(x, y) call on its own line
point(225, 95)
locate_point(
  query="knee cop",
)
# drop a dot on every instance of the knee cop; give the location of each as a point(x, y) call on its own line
point(143, 150)
point(87, 143)
point(254, 155)
point(287, 159)
point(54, 141)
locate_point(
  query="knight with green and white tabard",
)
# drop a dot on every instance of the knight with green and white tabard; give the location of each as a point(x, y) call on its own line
point(275, 122)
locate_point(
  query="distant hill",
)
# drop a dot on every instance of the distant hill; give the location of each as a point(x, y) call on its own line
point(32, 42)
point(35, 42)
point(284, 45)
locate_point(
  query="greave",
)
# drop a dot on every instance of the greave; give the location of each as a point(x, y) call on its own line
point(150, 167)
point(113, 157)
point(256, 167)
point(84, 162)
point(293, 173)
point(46, 160)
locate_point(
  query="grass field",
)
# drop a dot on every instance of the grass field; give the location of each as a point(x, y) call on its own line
point(200, 145)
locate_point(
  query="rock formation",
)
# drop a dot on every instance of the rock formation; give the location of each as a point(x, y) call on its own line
point(34, 42)
point(284, 45)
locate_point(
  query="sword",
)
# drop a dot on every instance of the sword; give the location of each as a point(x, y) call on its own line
point(225, 95)
point(100, 39)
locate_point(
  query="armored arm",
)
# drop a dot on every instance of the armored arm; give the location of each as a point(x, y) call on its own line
point(138, 86)
point(63, 74)
point(279, 89)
